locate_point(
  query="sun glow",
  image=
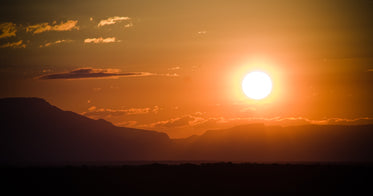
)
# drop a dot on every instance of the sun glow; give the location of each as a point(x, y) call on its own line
point(277, 96)
point(257, 85)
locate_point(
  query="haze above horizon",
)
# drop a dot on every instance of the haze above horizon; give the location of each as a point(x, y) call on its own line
point(177, 66)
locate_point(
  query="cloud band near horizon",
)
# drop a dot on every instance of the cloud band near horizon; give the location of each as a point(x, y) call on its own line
point(89, 73)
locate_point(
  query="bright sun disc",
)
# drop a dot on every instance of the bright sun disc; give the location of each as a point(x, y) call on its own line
point(257, 85)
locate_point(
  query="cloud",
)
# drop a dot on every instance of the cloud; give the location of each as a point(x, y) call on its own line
point(179, 122)
point(130, 123)
point(7, 29)
point(89, 73)
point(196, 121)
point(92, 108)
point(128, 25)
point(101, 40)
point(107, 113)
point(354, 121)
point(18, 44)
point(54, 43)
point(174, 123)
point(174, 68)
point(113, 20)
point(169, 75)
point(43, 27)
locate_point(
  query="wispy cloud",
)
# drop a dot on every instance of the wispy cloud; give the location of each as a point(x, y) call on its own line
point(179, 122)
point(7, 29)
point(92, 108)
point(199, 122)
point(174, 68)
point(174, 122)
point(131, 123)
point(54, 43)
point(168, 75)
point(107, 113)
point(101, 40)
point(18, 44)
point(113, 20)
point(43, 27)
point(89, 73)
point(128, 25)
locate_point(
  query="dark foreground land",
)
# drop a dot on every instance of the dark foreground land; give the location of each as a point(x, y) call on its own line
point(190, 179)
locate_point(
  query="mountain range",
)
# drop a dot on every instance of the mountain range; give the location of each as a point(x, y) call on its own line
point(35, 131)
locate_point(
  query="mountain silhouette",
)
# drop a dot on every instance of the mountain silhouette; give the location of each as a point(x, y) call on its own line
point(35, 131)
point(307, 143)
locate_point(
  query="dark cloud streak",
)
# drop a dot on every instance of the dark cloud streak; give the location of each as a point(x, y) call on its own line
point(89, 73)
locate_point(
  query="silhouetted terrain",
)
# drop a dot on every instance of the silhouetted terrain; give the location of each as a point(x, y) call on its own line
point(256, 142)
point(189, 179)
point(33, 131)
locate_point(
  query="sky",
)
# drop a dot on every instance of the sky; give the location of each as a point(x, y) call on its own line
point(177, 66)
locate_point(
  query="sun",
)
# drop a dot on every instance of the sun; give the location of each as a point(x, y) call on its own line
point(257, 85)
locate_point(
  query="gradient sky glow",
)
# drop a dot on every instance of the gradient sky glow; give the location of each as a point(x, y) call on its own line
point(177, 66)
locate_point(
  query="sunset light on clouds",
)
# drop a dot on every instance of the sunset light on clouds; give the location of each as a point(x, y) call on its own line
point(178, 67)
point(186, 97)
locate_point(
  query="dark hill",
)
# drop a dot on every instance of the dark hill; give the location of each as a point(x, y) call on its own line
point(308, 143)
point(35, 131)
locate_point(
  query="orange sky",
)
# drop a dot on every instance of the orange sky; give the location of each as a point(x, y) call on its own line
point(176, 66)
